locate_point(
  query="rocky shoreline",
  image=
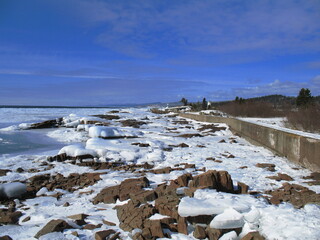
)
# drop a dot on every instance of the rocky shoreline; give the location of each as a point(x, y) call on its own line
point(151, 199)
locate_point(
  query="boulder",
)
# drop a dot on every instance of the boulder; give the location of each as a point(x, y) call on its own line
point(9, 216)
point(3, 172)
point(199, 232)
point(133, 215)
point(45, 124)
point(200, 219)
point(183, 180)
point(79, 218)
point(253, 236)
point(106, 222)
point(168, 205)
point(53, 226)
point(144, 196)
point(92, 226)
point(182, 225)
point(268, 166)
point(6, 237)
point(296, 194)
point(281, 177)
point(190, 135)
point(132, 123)
point(242, 188)
point(220, 180)
point(103, 235)
point(155, 228)
point(122, 191)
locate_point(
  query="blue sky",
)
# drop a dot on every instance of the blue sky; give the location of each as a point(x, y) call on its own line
point(91, 52)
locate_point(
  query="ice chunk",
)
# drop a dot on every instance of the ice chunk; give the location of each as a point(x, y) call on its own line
point(53, 235)
point(253, 215)
point(229, 219)
point(229, 236)
point(42, 191)
point(12, 190)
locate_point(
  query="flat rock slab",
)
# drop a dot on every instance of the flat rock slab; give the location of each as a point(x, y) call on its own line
point(53, 226)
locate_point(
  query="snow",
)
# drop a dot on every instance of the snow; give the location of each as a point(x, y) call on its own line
point(229, 219)
point(255, 214)
point(229, 236)
point(68, 135)
point(279, 124)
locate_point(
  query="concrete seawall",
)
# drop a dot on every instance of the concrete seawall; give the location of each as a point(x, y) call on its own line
point(302, 150)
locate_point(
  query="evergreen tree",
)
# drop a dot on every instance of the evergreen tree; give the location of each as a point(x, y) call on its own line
point(184, 101)
point(304, 98)
point(204, 104)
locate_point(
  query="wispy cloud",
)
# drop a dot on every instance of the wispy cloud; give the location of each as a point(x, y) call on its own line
point(137, 27)
point(287, 88)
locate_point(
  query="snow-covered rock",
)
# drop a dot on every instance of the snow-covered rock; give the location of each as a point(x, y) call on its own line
point(229, 219)
point(12, 190)
point(105, 132)
point(77, 150)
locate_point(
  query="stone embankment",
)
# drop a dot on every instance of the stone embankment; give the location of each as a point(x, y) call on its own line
point(302, 150)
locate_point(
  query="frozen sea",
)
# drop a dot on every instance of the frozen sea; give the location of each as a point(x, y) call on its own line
point(15, 142)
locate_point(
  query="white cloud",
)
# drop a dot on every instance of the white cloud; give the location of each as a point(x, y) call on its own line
point(208, 26)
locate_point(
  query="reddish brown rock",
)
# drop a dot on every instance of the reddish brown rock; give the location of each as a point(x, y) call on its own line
point(253, 236)
point(182, 225)
point(200, 219)
point(205, 180)
point(9, 216)
point(190, 135)
point(106, 222)
point(144, 196)
point(182, 145)
point(220, 180)
point(3, 172)
point(103, 235)
point(69, 183)
point(6, 237)
point(214, 234)
point(162, 170)
point(182, 181)
point(295, 194)
point(155, 228)
point(242, 188)
point(79, 218)
point(53, 226)
point(92, 226)
point(268, 166)
point(132, 123)
point(199, 232)
point(107, 117)
point(133, 215)
point(122, 191)
point(45, 124)
point(168, 205)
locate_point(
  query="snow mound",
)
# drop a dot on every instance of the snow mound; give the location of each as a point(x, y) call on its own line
point(209, 202)
point(229, 236)
point(229, 219)
point(109, 132)
point(12, 190)
point(77, 150)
